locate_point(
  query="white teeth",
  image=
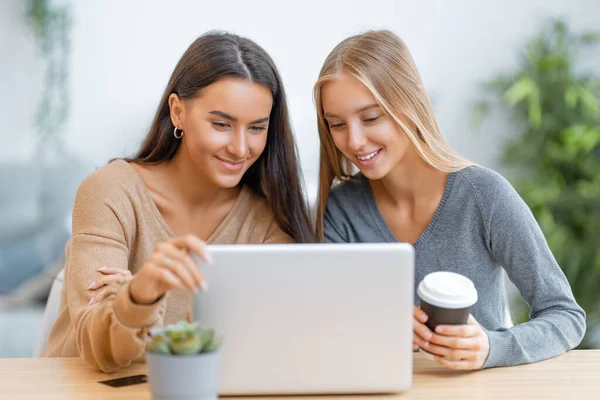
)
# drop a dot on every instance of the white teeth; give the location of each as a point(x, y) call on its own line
point(368, 156)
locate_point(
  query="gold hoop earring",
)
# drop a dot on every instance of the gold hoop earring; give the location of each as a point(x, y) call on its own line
point(176, 135)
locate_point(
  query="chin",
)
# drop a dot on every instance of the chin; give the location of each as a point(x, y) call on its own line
point(227, 181)
point(374, 173)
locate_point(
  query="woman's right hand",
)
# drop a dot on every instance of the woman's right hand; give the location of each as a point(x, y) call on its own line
point(169, 267)
point(421, 333)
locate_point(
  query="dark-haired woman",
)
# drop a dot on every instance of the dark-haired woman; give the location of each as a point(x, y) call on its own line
point(219, 165)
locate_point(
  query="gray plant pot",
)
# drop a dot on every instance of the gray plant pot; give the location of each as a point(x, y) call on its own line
point(179, 377)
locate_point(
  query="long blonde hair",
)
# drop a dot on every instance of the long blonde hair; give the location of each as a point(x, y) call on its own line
point(381, 62)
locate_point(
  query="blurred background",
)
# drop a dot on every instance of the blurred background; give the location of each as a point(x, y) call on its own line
point(515, 86)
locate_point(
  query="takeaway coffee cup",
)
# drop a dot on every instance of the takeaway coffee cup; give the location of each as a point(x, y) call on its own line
point(446, 297)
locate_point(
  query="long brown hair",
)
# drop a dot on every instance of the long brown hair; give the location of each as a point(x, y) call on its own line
point(276, 174)
point(381, 62)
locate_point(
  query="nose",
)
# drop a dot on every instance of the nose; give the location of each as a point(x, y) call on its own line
point(238, 145)
point(356, 137)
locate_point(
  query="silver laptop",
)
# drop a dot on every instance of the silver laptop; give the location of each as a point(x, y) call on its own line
point(305, 319)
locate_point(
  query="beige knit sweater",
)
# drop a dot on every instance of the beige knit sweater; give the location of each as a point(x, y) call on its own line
point(117, 224)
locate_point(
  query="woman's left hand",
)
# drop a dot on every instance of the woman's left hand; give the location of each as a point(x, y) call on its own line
point(109, 275)
point(460, 347)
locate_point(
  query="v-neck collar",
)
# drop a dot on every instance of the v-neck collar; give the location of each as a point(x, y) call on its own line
point(382, 226)
point(161, 220)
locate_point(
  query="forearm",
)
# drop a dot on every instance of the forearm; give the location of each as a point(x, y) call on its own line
point(545, 336)
point(112, 333)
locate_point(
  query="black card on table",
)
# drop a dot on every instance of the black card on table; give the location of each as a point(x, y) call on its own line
point(126, 381)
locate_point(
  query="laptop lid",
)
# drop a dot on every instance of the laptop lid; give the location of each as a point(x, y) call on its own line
point(317, 318)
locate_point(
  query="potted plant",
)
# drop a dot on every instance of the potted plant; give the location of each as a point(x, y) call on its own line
point(183, 362)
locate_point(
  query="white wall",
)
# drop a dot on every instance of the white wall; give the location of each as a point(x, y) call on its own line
point(124, 51)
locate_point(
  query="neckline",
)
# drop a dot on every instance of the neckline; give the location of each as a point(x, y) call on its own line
point(161, 220)
point(385, 230)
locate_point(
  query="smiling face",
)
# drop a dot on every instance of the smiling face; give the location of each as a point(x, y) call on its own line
point(225, 128)
point(360, 129)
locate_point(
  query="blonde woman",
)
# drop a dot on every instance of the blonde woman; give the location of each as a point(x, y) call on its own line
point(373, 113)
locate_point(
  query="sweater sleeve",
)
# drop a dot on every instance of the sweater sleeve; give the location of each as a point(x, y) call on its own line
point(111, 333)
point(516, 242)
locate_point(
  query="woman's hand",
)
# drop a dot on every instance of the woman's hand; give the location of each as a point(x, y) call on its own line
point(169, 267)
point(421, 332)
point(109, 275)
point(461, 347)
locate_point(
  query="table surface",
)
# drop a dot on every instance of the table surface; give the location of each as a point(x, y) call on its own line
point(573, 375)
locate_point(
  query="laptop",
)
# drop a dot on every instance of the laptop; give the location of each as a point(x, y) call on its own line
point(311, 318)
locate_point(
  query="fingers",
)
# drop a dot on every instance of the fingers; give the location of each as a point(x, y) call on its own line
point(188, 244)
point(168, 278)
point(107, 280)
point(421, 331)
point(454, 342)
point(111, 274)
point(420, 315)
point(468, 330)
point(114, 270)
point(450, 353)
point(170, 266)
point(170, 258)
point(153, 281)
point(422, 334)
point(192, 243)
point(463, 365)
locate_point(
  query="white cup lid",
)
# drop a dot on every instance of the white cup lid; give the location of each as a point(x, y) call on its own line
point(447, 290)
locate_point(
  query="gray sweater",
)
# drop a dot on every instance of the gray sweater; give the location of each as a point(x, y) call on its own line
point(480, 227)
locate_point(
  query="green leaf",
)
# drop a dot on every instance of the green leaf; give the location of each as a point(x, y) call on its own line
point(535, 109)
point(589, 100)
point(191, 345)
point(571, 96)
point(580, 139)
point(519, 91)
point(159, 344)
point(588, 190)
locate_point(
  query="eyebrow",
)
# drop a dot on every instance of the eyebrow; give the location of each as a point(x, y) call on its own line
point(232, 118)
point(365, 108)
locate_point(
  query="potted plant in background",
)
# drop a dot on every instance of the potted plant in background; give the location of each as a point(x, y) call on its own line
point(183, 362)
point(553, 160)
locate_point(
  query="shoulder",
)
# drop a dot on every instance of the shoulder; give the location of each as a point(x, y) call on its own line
point(113, 180)
point(498, 201)
point(349, 193)
point(114, 186)
point(487, 185)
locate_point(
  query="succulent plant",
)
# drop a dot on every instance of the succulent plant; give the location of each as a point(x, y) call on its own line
point(184, 338)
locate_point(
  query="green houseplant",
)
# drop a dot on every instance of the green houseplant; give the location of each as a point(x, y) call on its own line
point(553, 158)
point(183, 362)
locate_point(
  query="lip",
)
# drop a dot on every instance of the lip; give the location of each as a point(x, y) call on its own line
point(229, 165)
point(371, 161)
point(366, 153)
